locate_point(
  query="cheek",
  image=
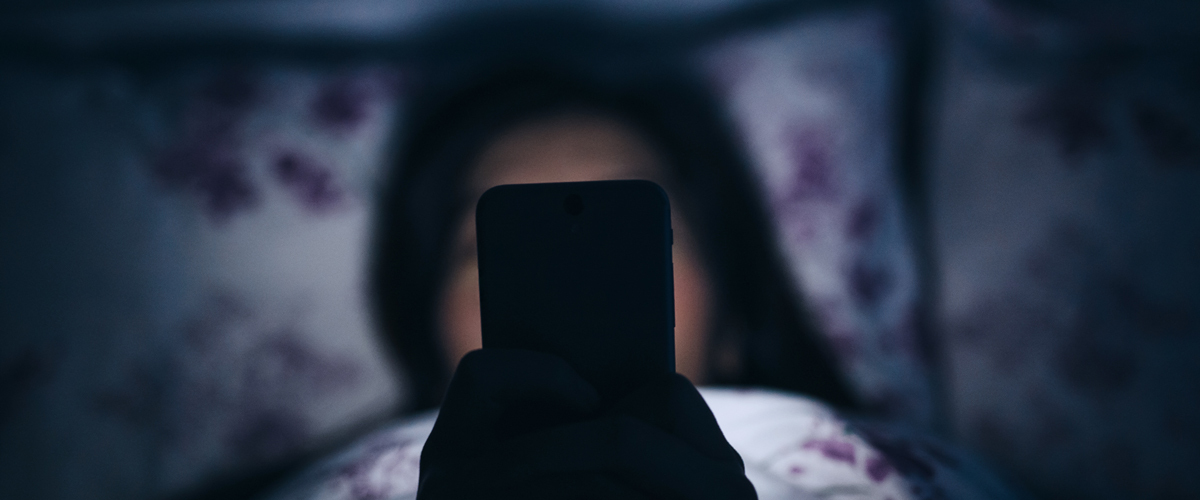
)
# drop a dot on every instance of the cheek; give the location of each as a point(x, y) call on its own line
point(692, 317)
point(459, 314)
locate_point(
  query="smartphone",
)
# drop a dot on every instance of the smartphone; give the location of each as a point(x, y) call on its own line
point(581, 270)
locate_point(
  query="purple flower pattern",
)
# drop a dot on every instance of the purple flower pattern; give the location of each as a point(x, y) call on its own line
point(312, 185)
point(207, 162)
point(256, 405)
point(833, 449)
point(794, 448)
point(254, 379)
point(1090, 337)
point(822, 157)
point(386, 463)
point(1067, 237)
point(223, 130)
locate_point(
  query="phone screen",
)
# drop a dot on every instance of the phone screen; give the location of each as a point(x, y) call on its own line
point(581, 270)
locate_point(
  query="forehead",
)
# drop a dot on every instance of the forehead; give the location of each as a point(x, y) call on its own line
point(565, 148)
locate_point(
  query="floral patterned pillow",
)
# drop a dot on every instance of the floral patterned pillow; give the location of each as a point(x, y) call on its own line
point(813, 102)
point(1065, 174)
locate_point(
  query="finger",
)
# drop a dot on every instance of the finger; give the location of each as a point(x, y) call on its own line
point(565, 462)
point(673, 405)
point(498, 393)
point(664, 466)
point(636, 453)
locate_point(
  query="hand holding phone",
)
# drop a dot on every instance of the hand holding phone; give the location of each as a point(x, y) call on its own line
point(574, 394)
point(581, 270)
point(659, 441)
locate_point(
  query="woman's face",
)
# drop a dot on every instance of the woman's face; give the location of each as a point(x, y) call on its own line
point(570, 148)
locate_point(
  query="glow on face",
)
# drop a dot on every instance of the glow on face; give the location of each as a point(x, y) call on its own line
point(572, 148)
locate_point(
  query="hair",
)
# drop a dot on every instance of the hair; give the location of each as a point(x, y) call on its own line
point(758, 314)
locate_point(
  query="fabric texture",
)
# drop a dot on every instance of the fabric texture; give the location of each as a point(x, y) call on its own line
point(182, 250)
point(187, 298)
point(1064, 178)
point(184, 299)
point(794, 448)
point(813, 102)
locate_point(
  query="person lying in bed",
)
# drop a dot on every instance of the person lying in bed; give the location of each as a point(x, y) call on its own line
point(770, 419)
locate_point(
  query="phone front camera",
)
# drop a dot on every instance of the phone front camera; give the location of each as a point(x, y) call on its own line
point(573, 204)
